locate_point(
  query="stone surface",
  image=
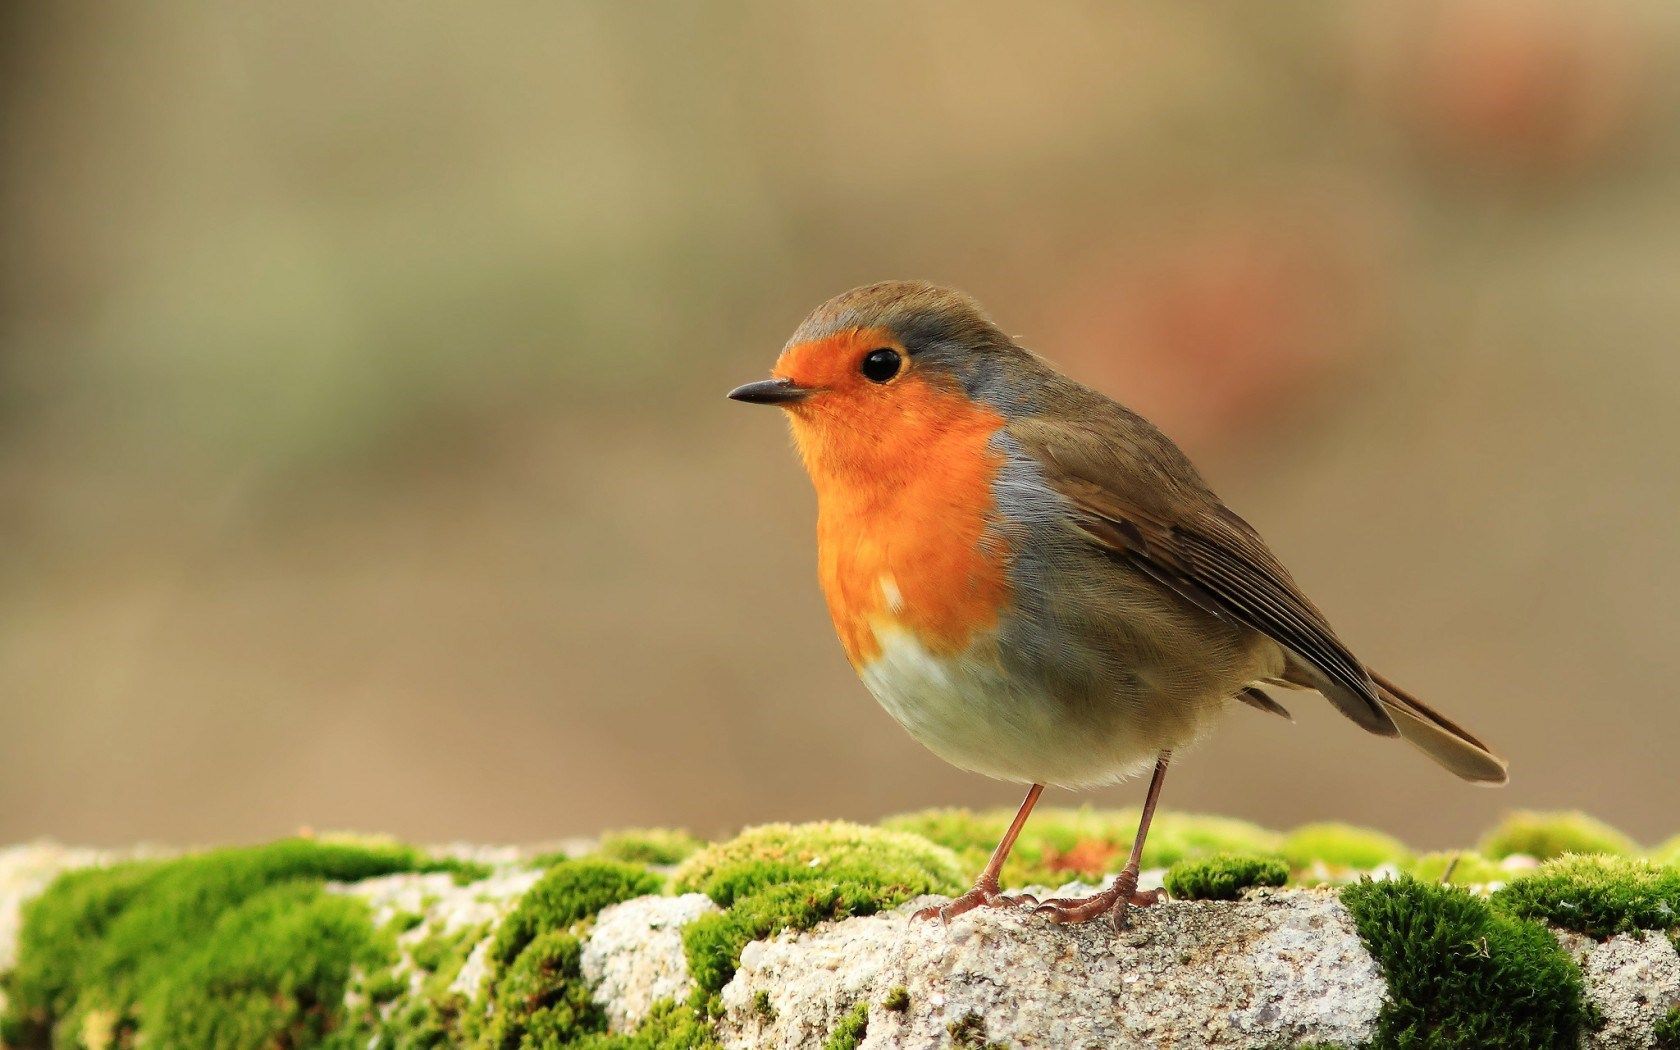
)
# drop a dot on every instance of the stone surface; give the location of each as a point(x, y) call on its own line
point(634, 955)
point(1278, 968)
point(1633, 979)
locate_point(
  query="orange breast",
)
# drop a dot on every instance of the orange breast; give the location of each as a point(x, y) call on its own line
point(904, 488)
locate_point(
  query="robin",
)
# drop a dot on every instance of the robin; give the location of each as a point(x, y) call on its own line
point(1033, 580)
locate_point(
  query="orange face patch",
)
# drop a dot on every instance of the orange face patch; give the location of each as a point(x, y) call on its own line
point(904, 473)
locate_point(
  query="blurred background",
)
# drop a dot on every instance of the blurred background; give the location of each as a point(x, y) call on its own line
point(364, 461)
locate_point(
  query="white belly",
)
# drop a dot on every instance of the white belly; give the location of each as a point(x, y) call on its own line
point(968, 712)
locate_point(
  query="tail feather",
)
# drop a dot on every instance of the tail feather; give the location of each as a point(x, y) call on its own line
point(1437, 736)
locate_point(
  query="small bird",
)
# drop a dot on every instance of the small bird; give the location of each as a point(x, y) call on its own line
point(1033, 580)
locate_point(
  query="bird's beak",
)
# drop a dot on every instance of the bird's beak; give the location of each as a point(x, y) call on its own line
point(771, 392)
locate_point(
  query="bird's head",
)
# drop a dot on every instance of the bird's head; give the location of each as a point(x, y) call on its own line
point(878, 372)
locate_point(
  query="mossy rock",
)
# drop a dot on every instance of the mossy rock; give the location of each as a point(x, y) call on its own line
point(249, 948)
point(833, 851)
point(971, 836)
point(1668, 852)
point(1061, 844)
point(1597, 896)
point(1666, 1033)
point(271, 973)
point(433, 1015)
point(536, 994)
point(1190, 836)
point(713, 943)
point(569, 892)
point(1467, 868)
point(661, 846)
point(781, 877)
point(242, 946)
point(1342, 846)
point(853, 1028)
point(1463, 975)
point(668, 1026)
point(1547, 835)
point(539, 999)
point(1224, 876)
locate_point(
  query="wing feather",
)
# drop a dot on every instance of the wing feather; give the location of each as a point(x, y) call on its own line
point(1196, 548)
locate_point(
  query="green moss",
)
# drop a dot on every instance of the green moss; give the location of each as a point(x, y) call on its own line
point(272, 972)
point(1224, 876)
point(713, 943)
point(385, 985)
point(540, 998)
point(403, 921)
point(669, 1026)
point(1666, 1032)
point(850, 1032)
point(536, 996)
point(972, 835)
point(648, 846)
point(1668, 852)
point(1460, 974)
point(445, 950)
point(1597, 896)
point(834, 850)
point(571, 891)
point(1468, 868)
point(1190, 836)
point(762, 1007)
point(465, 872)
point(897, 1000)
point(1547, 835)
point(1062, 844)
point(969, 1032)
point(1342, 846)
point(781, 877)
point(107, 946)
point(433, 1016)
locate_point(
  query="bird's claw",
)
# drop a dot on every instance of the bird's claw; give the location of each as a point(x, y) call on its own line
point(981, 896)
point(1117, 901)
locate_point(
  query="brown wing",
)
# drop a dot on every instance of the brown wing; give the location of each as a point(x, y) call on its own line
point(1137, 497)
point(1140, 500)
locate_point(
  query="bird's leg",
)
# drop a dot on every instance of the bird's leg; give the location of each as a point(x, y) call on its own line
point(986, 892)
point(1124, 893)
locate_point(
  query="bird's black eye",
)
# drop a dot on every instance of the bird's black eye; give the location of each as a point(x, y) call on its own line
point(881, 365)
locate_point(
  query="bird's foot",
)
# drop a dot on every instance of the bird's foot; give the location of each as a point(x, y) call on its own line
point(985, 894)
point(1116, 901)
